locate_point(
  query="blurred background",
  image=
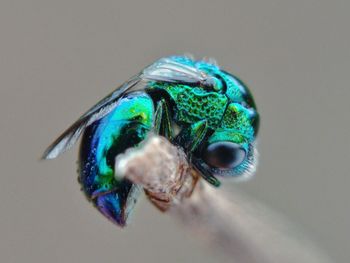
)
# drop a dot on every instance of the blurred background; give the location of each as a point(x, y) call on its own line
point(57, 58)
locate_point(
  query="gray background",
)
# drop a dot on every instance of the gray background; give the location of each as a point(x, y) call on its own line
point(57, 58)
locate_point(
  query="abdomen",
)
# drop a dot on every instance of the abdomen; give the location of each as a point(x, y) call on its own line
point(124, 127)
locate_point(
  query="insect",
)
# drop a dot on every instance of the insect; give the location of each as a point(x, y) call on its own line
point(194, 104)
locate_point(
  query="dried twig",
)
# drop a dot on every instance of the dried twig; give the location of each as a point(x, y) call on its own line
point(244, 230)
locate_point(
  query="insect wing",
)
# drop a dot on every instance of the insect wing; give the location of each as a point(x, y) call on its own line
point(102, 108)
point(170, 70)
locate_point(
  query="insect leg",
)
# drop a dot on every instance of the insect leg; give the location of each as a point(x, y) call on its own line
point(190, 137)
point(205, 172)
point(162, 122)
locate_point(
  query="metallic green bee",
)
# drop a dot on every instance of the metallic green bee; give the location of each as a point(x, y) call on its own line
point(194, 104)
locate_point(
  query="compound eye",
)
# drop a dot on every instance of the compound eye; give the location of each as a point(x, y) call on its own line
point(225, 155)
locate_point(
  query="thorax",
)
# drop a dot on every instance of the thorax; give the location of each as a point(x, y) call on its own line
point(192, 104)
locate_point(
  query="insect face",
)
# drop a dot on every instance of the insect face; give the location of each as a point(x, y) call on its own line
point(230, 149)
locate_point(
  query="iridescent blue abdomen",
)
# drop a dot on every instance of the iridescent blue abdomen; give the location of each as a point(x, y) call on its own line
point(124, 127)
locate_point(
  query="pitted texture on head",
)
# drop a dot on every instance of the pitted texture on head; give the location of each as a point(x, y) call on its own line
point(237, 118)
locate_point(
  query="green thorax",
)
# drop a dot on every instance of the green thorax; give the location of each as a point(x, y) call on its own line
point(193, 104)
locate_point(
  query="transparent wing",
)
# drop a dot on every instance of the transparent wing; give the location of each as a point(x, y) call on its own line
point(71, 135)
point(174, 69)
point(163, 70)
